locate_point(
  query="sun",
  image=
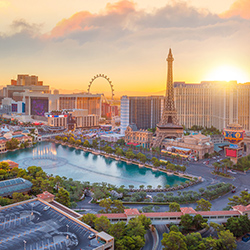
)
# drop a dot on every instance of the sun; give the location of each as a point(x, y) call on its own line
point(227, 73)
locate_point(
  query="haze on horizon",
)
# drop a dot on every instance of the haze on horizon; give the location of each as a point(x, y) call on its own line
point(66, 43)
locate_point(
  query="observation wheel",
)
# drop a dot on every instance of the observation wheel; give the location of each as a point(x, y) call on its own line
point(107, 79)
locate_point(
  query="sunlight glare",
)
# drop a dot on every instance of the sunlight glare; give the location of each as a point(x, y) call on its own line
point(227, 73)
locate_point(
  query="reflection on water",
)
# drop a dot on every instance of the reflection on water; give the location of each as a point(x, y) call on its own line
point(84, 166)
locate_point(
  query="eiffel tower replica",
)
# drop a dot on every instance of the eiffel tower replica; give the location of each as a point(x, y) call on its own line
point(168, 127)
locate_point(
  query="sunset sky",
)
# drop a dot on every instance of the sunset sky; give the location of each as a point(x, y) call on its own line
point(67, 42)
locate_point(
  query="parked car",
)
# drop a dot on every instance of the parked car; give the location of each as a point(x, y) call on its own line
point(46, 208)
point(91, 236)
point(233, 190)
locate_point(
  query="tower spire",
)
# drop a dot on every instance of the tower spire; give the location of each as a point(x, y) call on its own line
point(168, 127)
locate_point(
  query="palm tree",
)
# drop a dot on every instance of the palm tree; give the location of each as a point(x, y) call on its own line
point(216, 166)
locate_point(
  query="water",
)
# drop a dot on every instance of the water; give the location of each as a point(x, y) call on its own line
point(83, 166)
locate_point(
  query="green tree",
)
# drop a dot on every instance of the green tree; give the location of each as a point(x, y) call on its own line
point(238, 226)
point(63, 197)
point(72, 140)
point(174, 241)
point(135, 227)
point(130, 243)
point(203, 205)
point(4, 165)
point(89, 219)
point(94, 143)
point(102, 224)
point(198, 221)
point(78, 142)
point(186, 221)
point(146, 222)
point(12, 144)
point(118, 230)
point(194, 241)
point(86, 144)
point(106, 203)
point(226, 240)
point(243, 199)
point(117, 207)
point(174, 207)
point(119, 151)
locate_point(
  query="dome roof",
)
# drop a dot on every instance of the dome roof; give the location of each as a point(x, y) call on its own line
point(7, 136)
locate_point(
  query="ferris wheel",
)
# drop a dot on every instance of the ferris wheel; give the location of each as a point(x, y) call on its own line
point(107, 79)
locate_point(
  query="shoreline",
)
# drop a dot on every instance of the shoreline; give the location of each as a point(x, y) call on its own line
point(188, 177)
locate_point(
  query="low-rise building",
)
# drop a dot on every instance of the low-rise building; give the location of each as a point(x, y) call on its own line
point(12, 164)
point(70, 119)
point(198, 144)
point(19, 185)
point(38, 224)
point(140, 137)
point(217, 138)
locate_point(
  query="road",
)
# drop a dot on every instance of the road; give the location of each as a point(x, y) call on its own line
point(161, 229)
point(149, 243)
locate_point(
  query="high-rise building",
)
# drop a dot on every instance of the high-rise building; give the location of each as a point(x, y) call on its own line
point(143, 111)
point(213, 104)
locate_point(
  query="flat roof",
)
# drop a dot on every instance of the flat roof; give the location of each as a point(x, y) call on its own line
point(8, 187)
point(42, 226)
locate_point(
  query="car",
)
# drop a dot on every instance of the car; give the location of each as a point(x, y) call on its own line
point(91, 236)
point(233, 191)
point(46, 208)
point(246, 189)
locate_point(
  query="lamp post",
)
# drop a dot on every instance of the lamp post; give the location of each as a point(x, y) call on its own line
point(24, 244)
point(67, 231)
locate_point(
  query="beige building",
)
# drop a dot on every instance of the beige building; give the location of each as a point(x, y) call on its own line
point(213, 104)
point(137, 137)
point(81, 118)
point(198, 144)
point(24, 83)
point(37, 104)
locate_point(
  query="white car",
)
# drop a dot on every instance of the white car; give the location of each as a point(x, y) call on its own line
point(91, 236)
point(46, 208)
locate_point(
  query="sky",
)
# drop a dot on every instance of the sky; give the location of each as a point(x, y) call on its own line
point(66, 42)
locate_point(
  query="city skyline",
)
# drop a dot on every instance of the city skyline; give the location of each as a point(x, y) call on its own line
point(67, 44)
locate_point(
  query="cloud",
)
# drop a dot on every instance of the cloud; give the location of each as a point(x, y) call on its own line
point(238, 8)
point(22, 25)
point(85, 21)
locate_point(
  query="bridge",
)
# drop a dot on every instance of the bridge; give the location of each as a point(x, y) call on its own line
point(166, 218)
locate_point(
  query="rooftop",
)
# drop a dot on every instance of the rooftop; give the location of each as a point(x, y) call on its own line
point(188, 210)
point(131, 212)
point(8, 187)
point(45, 195)
point(43, 226)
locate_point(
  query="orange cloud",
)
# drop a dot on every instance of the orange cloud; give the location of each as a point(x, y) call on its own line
point(239, 8)
point(75, 22)
point(84, 21)
point(120, 7)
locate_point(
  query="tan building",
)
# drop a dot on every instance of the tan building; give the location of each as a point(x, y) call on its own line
point(137, 137)
point(22, 84)
point(3, 148)
point(37, 104)
point(81, 118)
point(198, 144)
point(213, 104)
point(12, 164)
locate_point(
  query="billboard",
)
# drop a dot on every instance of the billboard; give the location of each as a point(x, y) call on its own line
point(13, 107)
point(231, 152)
point(39, 105)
